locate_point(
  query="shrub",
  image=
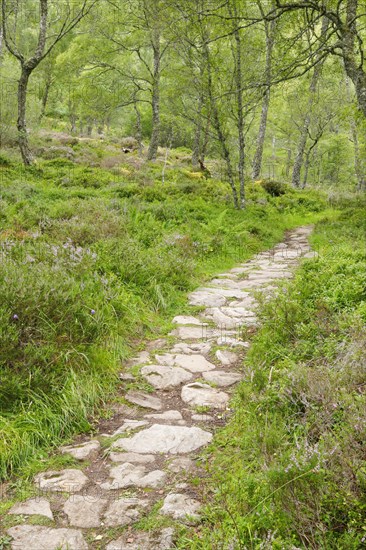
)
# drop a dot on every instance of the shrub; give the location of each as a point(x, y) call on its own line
point(274, 188)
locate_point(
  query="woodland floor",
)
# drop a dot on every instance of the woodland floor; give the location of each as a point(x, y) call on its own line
point(135, 483)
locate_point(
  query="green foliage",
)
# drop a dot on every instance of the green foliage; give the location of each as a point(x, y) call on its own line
point(91, 261)
point(289, 470)
point(274, 188)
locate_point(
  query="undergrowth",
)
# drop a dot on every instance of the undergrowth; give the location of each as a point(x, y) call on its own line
point(289, 469)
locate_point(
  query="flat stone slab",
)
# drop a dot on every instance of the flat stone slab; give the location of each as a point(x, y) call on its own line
point(167, 415)
point(222, 378)
point(206, 298)
point(131, 475)
point(37, 537)
point(196, 347)
point(144, 400)
point(68, 481)
point(84, 511)
point(129, 425)
point(190, 333)
point(33, 507)
point(187, 320)
point(202, 418)
point(82, 451)
point(226, 357)
point(232, 342)
point(226, 292)
point(202, 395)
point(194, 363)
point(221, 319)
point(123, 512)
point(180, 507)
point(132, 458)
point(164, 377)
point(167, 439)
point(144, 541)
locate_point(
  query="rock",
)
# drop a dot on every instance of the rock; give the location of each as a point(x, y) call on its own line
point(129, 425)
point(220, 319)
point(222, 378)
point(123, 512)
point(32, 507)
point(202, 395)
point(160, 343)
point(190, 333)
point(37, 537)
point(84, 511)
point(180, 507)
point(132, 458)
point(226, 357)
point(232, 342)
point(181, 464)
point(167, 415)
point(225, 283)
point(68, 481)
point(82, 451)
point(144, 400)
point(206, 298)
point(130, 475)
point(187, 320)
point(167, 439)
point(163, 377)
point(144, 541)
point(196, 347)
point(227, 293)
point(140, 359)
point(194, 363)
point(125, 377)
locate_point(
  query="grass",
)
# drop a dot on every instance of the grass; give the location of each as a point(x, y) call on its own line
point(94, 262)
point(289, 469)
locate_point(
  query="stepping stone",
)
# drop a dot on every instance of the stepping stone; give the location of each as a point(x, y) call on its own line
point(194, 363)
point(84, 511)
point(33, 507)
point(238, 312)
point(225, 283)
point(180, 507)
point(167, 415)
point(227, 292)
point(132, 458)
point(181, 464)
point(163, 377)
point(123, 512)
point(190, 333)
point(82, 451)
point(222, 378)
point(167, 439)
point(202, 348)
point(37, 537)
point(129, 425)
point(187, 320)
point(68, 481)
point(144, 541)
point(220, 319)
point(226, 357)
point(202, 395)
point(206, 298)
point(232, 342)
point(142, 357)
point(144, 400)
point(130, 475)
point(125, 377)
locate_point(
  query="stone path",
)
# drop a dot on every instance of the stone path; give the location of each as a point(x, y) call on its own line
point(150, 451)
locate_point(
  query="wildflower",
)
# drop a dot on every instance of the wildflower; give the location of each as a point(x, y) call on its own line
point(15, 317)
point(92, 311)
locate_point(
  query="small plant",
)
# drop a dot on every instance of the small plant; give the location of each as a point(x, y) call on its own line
point(274, 188)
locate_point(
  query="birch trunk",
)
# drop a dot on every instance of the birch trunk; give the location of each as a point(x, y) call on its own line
point(155, 100)
point(270, 30)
